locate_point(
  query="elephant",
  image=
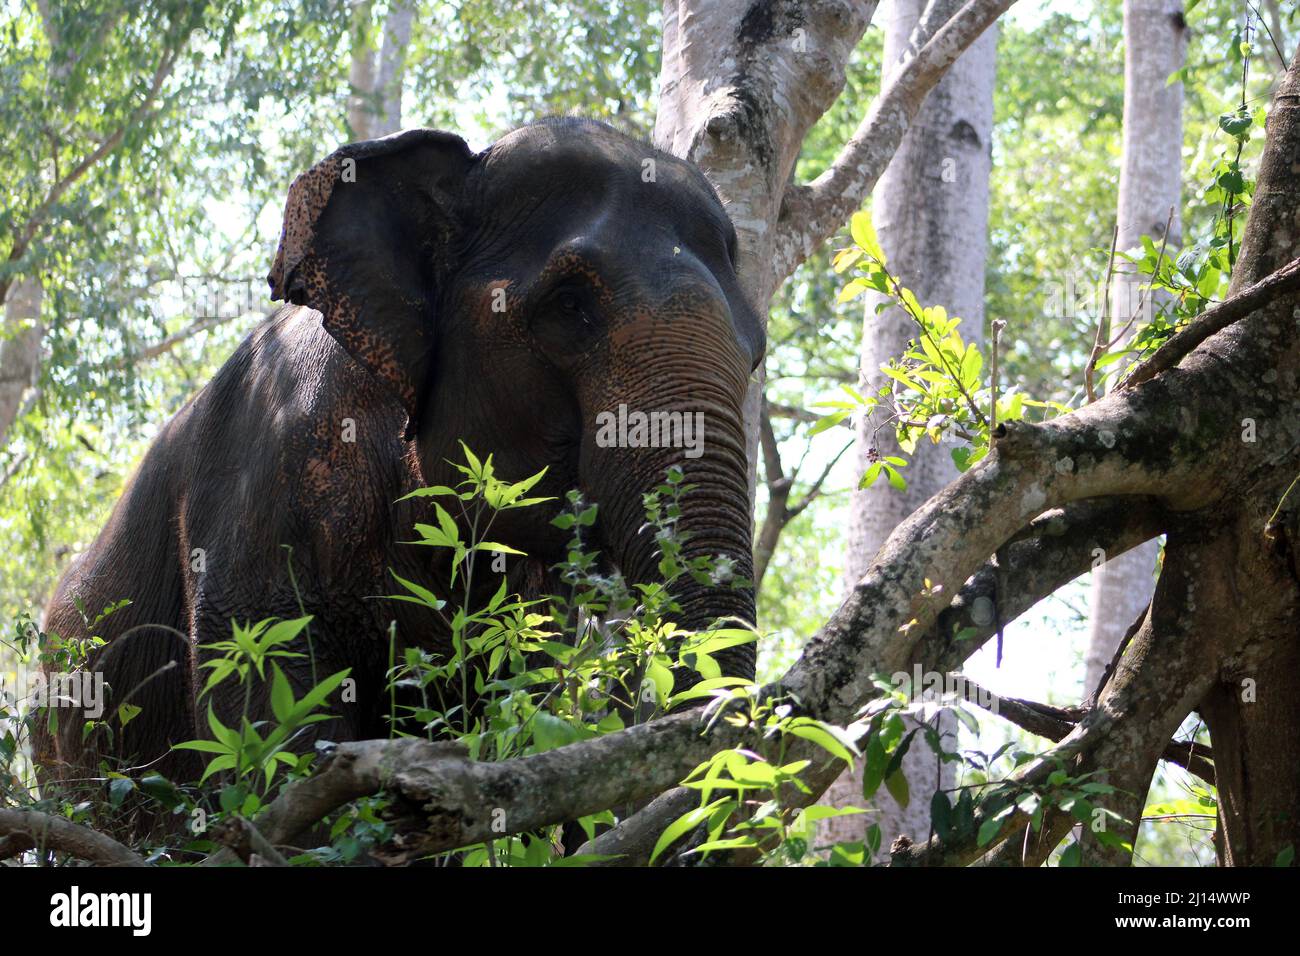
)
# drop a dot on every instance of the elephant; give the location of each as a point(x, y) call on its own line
point(514, 299)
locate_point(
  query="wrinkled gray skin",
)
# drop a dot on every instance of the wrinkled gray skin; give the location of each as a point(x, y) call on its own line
point(617, 290)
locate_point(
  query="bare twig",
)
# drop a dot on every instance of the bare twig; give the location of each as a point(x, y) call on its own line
point(996, 328)
point(1103, 322)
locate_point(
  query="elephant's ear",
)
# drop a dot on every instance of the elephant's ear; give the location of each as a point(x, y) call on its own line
point(365, 233)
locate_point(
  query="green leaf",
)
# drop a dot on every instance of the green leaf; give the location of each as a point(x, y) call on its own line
point(281, 695)
point(1236, 124)
point(941, 814)
point(685, 824)
point(828, 422)
point(422, 594)
point(496, 546)
point(316, 696)
point(118, 789)
point(821, 812)
point(873, 770)
point(226, 762)
point(282, 632)
point(662, 678)
point(852, 290)
point(429, 492)
point(989, 829)
point(733, 843)
point(896, 759)
point(127, 712)
point(202, 746)
point(550, 731)
point(845, 258)
point(863, 232)
point(833, 741)
point(222, 733)
point(706, 688)
point(896, 784)
point(993, 824)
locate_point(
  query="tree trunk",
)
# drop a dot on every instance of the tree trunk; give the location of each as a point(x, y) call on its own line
point(361, 73)
point(392, 66)
point(20, 349)
point(1155, 37)
point(1253, 712)
point(931, 213)
point(375, 75)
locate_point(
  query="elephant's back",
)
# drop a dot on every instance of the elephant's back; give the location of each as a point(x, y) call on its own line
point(290, 443)
point(293, 443)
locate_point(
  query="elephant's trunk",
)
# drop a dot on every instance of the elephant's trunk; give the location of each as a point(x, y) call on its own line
point(715, 521)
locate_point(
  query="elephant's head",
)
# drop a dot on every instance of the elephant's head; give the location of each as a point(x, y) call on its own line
point(537, 300)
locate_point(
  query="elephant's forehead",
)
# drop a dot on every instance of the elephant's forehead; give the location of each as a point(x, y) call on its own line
point(576, 157)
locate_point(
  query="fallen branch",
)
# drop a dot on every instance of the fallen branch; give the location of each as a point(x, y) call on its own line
point(445, 800)
point(23, 830)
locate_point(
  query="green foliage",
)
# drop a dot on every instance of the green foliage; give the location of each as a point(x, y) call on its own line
point(754, 814)
point(517, 677)
point(1181, 283)
point(538, 681)
point(937, 388)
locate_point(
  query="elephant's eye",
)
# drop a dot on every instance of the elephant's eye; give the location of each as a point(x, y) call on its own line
point(571, 304)
point(568, 302)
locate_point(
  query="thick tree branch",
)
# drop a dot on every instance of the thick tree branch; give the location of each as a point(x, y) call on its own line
point(448, 800)
point(1053, 550)
point(23, 830)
